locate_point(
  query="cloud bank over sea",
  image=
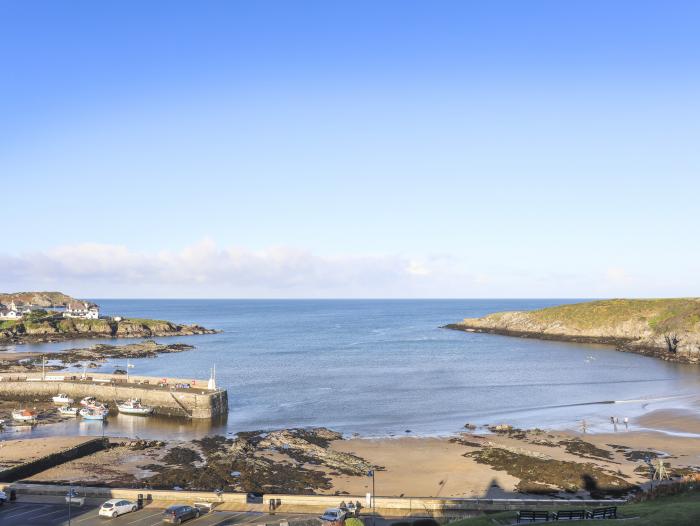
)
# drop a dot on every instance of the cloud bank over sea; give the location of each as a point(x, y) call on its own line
point(205, 269)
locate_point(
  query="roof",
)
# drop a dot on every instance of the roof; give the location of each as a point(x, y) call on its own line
point(80, 305)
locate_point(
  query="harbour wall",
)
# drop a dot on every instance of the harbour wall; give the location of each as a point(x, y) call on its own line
point(167, 400)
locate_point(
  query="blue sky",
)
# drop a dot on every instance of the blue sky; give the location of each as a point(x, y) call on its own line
point(350, 149)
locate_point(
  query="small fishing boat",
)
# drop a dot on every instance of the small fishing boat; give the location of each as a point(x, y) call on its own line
point(68, 411)
point(24, 415)
point(91, 414)
point(134, 407)
point(88, 401)
point(62, 399)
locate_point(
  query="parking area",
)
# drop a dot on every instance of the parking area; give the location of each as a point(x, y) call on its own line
point(56, 514)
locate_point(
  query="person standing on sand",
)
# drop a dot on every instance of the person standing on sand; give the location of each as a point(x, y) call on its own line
point(584, 426)
point(626, 421)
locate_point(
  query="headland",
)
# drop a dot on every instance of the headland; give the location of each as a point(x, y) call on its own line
point(668, 329)
point(53, 316)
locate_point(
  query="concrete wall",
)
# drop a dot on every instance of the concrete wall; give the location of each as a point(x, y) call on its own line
point(193, 403)
point(424, 506)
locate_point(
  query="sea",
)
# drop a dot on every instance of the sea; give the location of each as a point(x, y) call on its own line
point(381, 368)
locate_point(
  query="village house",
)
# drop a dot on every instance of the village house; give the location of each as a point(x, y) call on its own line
point(82, 309)
point(14, 311)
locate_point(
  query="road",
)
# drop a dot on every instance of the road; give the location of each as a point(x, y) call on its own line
point(56, 514)
point(52, 512)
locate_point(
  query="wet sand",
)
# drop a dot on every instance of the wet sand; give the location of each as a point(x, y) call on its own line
point(671, 420)
point(13, 452)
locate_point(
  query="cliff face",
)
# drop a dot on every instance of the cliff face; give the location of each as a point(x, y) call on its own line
point(57, 328)
point(666, 328)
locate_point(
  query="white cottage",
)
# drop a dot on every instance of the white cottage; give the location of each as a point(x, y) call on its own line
point(82, 309)
point(13, 311)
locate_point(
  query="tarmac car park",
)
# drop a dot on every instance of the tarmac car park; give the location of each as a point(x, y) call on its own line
point(47, 513)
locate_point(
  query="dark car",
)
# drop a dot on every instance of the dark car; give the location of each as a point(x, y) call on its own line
point(180, 513)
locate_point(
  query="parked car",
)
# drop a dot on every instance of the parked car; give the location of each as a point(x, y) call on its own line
point(116, 507)
point(72, 497)
point(3, 498)
point(180, 513)
point(334, 515)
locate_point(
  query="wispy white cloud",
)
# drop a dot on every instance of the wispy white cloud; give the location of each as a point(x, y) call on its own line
point(206, 269)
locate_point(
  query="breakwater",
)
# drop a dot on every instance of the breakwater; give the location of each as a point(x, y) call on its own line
point(169, 397)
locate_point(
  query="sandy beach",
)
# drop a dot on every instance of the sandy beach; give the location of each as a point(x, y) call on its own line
point(473, 464)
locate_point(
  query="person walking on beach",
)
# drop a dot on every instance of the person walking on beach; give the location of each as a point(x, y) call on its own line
point(626, 421)
point(584, 426)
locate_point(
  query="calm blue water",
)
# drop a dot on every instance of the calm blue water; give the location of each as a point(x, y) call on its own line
point(381, 367)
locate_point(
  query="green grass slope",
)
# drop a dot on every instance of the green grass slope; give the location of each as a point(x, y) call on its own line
point(678, 510)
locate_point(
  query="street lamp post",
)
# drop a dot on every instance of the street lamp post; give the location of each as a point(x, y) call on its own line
point(373, 502)
point(70, 501)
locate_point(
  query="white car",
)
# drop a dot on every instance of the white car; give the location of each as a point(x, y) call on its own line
point(3, 497)
point(334, 515)
point(116, 507)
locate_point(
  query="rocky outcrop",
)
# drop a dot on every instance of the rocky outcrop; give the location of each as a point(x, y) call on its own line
point(305, 446)
point(101, 352)
point(55, 328)
point(668, 329)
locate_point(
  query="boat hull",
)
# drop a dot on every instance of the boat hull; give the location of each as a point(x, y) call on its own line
point(136, 411)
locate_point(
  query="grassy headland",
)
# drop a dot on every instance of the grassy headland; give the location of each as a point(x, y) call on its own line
point(52, 326)
point(664, 328)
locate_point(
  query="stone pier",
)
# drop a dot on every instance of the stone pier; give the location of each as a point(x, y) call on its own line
point(168, 397)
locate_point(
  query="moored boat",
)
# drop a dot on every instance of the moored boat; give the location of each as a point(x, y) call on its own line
point(93, 414)
point(68, 411)
point(62, 399)
point(88, 401)
point(134, 407)
point(24, 415)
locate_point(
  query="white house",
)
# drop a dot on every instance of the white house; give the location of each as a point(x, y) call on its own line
point(82, 309)
point(13, 311)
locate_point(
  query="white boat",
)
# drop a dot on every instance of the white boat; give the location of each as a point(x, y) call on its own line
point(134, 407)
point(68, 411)
point(62, 399)
point(92, 414)
point(88, 401)
point(24, 415)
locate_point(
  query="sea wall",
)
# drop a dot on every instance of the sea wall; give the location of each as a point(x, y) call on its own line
point(53, 459)
point(167, 401)
point(421, 506)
